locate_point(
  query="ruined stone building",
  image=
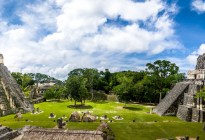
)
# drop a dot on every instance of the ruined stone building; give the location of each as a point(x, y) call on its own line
point(11, 96)
point(182, 101)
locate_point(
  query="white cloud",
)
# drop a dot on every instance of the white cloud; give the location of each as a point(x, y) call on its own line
point(59, 35)
point(192, 58)
point(198, 5)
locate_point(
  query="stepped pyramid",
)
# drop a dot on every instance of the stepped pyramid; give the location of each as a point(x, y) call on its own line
point(11, 96)
point(181, 100)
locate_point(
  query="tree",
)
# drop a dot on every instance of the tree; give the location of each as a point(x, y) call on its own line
point(163, 74)
point(54, 92)
point(76, 88)
point(201, 93)
point(24, 80)
point(42, 78)
point(92, 77)
point(124, 84)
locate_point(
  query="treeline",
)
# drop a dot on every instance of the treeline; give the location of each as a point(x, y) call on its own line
point(144, 86)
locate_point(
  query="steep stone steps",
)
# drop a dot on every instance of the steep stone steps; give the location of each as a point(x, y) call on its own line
point(171, 97)
point(3, 130)
point(11, 95)
point(7, 133)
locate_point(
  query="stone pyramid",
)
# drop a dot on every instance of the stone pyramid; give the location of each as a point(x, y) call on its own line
point(182, 100)
point(11, 96)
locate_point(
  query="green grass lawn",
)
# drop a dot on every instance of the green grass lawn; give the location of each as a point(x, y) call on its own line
point(146, 126)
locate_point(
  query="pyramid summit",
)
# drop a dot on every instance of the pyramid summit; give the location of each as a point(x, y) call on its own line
point(12, 97)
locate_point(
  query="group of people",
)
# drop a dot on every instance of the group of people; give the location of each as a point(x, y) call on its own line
point(36, 111)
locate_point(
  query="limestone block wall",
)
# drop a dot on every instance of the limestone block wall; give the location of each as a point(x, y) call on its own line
point(195, 115)
point(172, 99)
point(189, 100)
point(11, 95)
point(184, 113)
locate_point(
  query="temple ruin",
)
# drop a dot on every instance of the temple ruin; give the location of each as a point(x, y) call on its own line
point(182, 101)
point(11, 96)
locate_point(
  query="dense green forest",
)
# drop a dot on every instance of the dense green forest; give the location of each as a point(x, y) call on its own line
point(149, 85)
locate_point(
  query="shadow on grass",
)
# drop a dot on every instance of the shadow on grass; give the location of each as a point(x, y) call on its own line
point(80, 106)
point(132, 108)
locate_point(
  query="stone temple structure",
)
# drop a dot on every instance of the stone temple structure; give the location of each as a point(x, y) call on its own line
point(182, 101)
point(11, 96)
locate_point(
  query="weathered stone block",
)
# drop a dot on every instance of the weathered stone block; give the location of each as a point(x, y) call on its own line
point(195, 115)
point(184, 113)
point(202, 115)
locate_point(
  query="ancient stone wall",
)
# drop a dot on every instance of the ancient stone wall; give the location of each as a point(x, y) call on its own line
point(184, 113)
point(200, 62)
point(11, 96)
point(61, 134)
point(7, 133)
point(171, 98)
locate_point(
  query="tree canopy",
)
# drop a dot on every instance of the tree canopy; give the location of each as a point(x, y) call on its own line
point(148, 85)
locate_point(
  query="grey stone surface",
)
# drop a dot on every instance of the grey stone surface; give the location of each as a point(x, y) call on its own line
point(195, 115)
point(171, 98)
point(7, 133)
point(201, 62)
point(184, 112)
point(60, 134)
point(185, 102)
point(88, 118)
point(75, 117)
point(11, 96)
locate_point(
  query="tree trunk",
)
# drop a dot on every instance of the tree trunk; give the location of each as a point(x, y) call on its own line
point(160, 97)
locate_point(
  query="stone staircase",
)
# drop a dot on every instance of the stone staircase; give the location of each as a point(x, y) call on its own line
point(4, 104)
point(11, 96)
point(7, 133)
point(170, 98)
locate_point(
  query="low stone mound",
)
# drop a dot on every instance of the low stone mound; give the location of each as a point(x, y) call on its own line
point(104, 127)
point(74, 117)
point(88, 118)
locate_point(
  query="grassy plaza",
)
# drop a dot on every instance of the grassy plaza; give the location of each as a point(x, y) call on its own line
point(146, 126)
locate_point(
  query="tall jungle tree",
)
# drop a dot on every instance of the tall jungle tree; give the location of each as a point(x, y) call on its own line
point(162, 73)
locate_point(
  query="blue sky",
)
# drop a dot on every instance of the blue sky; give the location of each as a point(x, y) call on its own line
point(56, 36)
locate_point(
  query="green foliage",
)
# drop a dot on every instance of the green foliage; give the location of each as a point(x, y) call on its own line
point(126, 84)
point(201, 94)
point(42, 78)
point(55, 92)
point(24, 80)
point(76, 88)
point(163, 74)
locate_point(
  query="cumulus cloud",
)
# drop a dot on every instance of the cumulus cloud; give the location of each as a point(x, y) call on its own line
point(192, 58)
point(198, 5)
point(56, 36)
